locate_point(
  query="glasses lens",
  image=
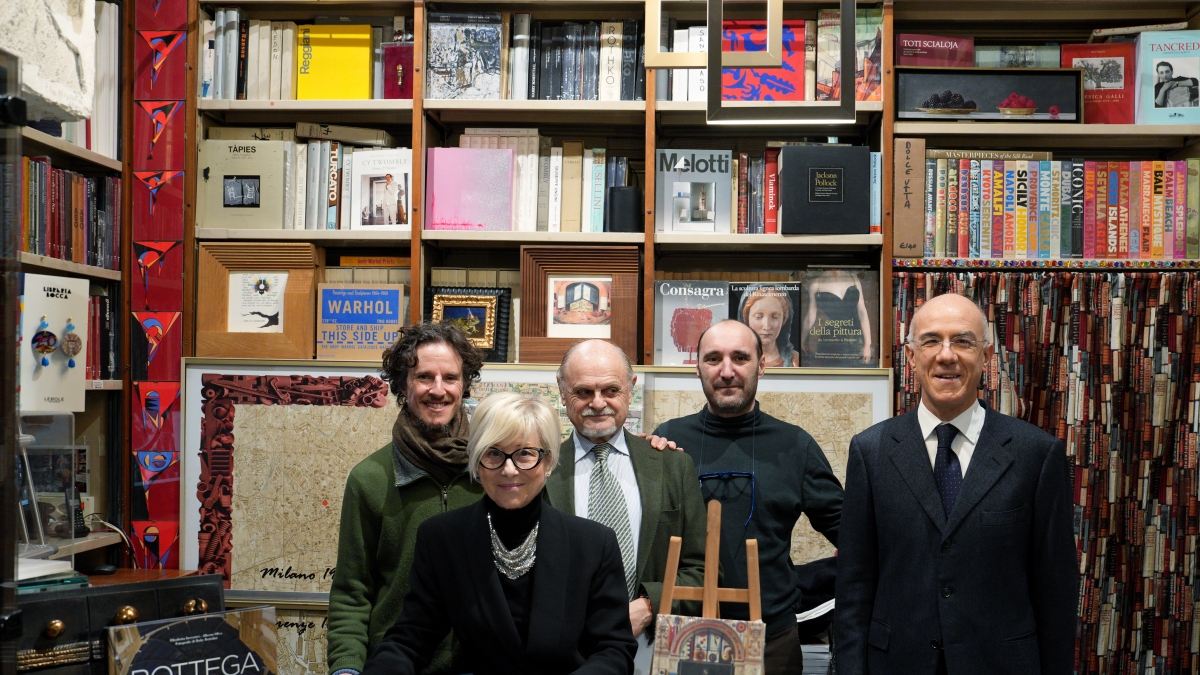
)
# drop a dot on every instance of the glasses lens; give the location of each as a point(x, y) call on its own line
point(492, 458)
point(527, 458)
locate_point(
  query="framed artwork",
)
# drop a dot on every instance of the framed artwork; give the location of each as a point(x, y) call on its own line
point(481, 313)
point(1050, 95)
point(577, 293)
point(692, 645)
point(260, 299)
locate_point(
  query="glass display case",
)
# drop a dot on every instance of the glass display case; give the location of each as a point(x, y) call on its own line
point(51, 516)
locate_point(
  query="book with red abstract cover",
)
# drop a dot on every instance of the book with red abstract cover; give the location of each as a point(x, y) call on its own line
point(955, 51)
point(785, 83)
point(1108, 80)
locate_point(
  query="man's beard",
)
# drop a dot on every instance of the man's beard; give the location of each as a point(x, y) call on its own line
point(429, 430)
point(736, 404)
point(606, 432)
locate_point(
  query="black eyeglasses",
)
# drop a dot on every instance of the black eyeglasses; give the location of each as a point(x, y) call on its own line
point(522, 458)
point(726, 475)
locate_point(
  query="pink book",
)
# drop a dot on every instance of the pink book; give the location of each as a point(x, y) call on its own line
point(469, 189)
point(1180, 209)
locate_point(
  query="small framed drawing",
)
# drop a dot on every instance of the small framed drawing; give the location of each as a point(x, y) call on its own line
point(258, 300)
point(481, 313)
point(1051, 95)
point(578, 293)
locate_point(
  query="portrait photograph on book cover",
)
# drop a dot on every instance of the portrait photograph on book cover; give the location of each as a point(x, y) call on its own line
point(579, 307)
point(838, 310)
point(1177, 82)
point(385, 199)
point(771, 310)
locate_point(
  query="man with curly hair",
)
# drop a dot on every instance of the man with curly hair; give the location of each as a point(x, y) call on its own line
point(420, 473)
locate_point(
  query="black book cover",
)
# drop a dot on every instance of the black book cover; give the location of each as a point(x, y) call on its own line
point(591, 62)
point(535, 56)
point(1077, 182)
point(90, 227)
point(572, 57)
point(639, 82)
point(669, 73)
point(754, 182)
point(823, 188)
point(546, 67)
point(772, 310)
point(556, 86)
point(839, 309)
point(107, 366)
point(628, 57)
point(243, 39)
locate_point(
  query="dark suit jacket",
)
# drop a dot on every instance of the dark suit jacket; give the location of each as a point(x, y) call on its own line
point(671, 507)
point(579, 614)
point(994, 585)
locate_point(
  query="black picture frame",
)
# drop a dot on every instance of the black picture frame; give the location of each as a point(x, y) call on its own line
point(498, 351)
point(988, 87)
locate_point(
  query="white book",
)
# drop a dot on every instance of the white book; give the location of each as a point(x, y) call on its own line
point(679, 76)
point(323, 186)
point(218, 87)
point(300, 180)
point(519, 81)
point(347, 175)
point(252, 61)
point(510, 143)
point(529, 183)
point(599, 162)
point(610, 61)
point(810, 60)
point(499, 131)
point(242, 184)
point(289, 184)
point(276, 60)
point(585, 201)
point(287, 68)
point(697, 77)
point(264, 60)
point(377, 62)
point(555, 214)
point(378, 202)
point(207, 57)
point(312, 195)
point(231, 53)
point(479, 142)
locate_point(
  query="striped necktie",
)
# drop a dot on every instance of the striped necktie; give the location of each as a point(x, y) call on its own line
point(606, 505)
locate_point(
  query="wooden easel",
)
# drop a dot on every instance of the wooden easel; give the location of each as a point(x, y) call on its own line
point(709, 593)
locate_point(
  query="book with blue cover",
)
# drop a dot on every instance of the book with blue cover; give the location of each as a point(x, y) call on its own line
point(1168, 77)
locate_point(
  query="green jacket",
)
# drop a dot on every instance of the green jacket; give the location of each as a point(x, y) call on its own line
point(671, 507)
point(387, 498)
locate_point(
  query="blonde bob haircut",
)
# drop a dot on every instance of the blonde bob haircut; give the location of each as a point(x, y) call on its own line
point(505, 417)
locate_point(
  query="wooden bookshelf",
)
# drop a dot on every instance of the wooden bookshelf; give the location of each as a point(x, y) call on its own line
point(42, 263)
point(64, 154)
point(461, 239)
point(320, 237)
point(453, 111)
point(1034, 134)
point(91, 542)
point(685, 241)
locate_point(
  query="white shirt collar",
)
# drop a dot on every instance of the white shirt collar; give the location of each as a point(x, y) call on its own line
point(584, 445)
point(969, 423)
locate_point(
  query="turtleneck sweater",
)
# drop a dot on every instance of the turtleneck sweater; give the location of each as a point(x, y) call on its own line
point(791, 477)
point(513, 526)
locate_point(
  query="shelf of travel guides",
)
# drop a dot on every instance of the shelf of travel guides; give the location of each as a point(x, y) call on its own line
point(478, 239)
point(321, 237)
point(687, 241)
point(1077, 265)
point(451, 111)
point(42, 263)
point(992, 134)
point(64, 154)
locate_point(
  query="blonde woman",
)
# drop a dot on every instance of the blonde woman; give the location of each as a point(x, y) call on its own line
point(525, 587)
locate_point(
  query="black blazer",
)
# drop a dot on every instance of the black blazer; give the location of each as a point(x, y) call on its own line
point(579, 613)
point(994, 586)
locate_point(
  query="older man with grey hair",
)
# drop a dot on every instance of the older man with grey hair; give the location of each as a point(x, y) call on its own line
point(613, 477)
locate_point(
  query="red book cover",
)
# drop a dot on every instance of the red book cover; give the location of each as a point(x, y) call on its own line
point(913, 49)
point(1089, 209)
point(1123, 210)
point(1108, 79)
point(785, 83)
point(771, 192)
point(1100, 234)
point(964, 208)
point(397, 70)
point(743, 168)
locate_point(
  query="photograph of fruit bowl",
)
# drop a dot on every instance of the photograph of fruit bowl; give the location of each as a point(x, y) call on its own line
point(1052, 95)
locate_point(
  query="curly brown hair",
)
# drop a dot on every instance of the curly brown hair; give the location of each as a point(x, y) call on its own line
point(401, 357)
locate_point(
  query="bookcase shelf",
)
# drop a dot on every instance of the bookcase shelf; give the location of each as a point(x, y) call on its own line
point(461, 239)
point(692, 113)
point(42, 263)
point(453, 111)
point(373, 111)
point(91, 542)
point(681, 241)
point(321, 237)
point(64, 154)
point(1080, 265)
point(1032, 134)
point(1089, 12)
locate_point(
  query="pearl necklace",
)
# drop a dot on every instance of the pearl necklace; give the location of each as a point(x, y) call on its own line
point(515, 563)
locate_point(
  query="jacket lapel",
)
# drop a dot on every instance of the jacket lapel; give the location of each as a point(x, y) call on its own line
point(989, 461)
point(547, 612)
point(912, 460)
point(648, 469)
point(492, 606)
point(560, 486)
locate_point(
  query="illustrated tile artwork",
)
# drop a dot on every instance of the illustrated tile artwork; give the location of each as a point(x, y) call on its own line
point(160, 65)
point(158, 135)
point(158, 205)
point(158, 276)
point(161, 14)
point(156, 544)
point(156, 345)
point(155, 421)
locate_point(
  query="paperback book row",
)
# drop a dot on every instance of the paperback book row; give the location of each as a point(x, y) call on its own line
point(811, 66)
point(1105, 362)
point(101, 360)
point(1151, 77)
point(502, 55)
point(313, 177)
point(1043, 208)
point(335, 57)
point(517, 180)
point(70, 216)
point(824, 318)
point(792, 188)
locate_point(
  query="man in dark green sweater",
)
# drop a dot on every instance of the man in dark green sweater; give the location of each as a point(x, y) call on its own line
point(420, 473)
point(765, 472)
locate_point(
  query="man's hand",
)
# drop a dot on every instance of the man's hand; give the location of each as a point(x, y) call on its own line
point(659, 443)
point(639, 615)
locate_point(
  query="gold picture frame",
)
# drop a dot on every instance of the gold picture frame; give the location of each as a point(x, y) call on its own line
point(490, 304)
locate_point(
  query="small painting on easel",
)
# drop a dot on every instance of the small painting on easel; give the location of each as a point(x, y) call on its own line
point(692, 645)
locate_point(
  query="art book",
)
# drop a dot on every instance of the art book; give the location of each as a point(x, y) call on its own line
point(839, 311)
point(682, 311)
point(381, 189)
point(785, 83)
point(469, 189)
point(245, 184)
point(693, 190)
point(463, 56)
point(822, 189)
point(358, 321)
point(770, 309)
point(1108, 80)
point(1168, 77)
point(333, 62)
point(953, 51)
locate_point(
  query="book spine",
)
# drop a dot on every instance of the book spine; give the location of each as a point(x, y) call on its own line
point(519, 82)
point(1157, 212)
point(771, 191)
point(930, 208)
point(810, 60)
point(1193, 209)
point(1009, 246)
point(599, 165)
point(639, 80)
point(300, 176)
point(543, 188)
point(585, 202)
point(1065, 210)
point(1169, 210)
point(697, 88)
point(276, 76)
point(743, 193)
point(243, 55)
point(333, 186)
point(995, 241)
point(629, 40)
point(554, 217)
point(287, 67)
point(1021, 239)
point(964, 208)
point(876, 224)
point(1054, 206)
point(347, 188)
point(207, 58)
point(1101, 234)
point(1034, 221)
point(1114, 204)
point(546, 67)
point(535, 61)
point(218, 79)
point(1126, 236)
point(976, 209)
point(952, 209)
point(1046, 204)
point(253, 37)
point(1146, 204)
point(984, 242)
point(941, 208)
point(942, 153)
point(1089, 209)
point(1181, 215)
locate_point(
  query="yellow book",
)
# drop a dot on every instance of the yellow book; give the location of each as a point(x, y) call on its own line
point(374, 261)
point(572, 185)
point(1023, 188)
point(333, 62)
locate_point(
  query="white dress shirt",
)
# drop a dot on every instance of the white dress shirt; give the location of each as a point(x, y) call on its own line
point(969, 425)
point(621, 467)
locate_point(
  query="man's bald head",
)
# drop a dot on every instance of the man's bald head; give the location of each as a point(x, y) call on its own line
point(951, 304)
point(730, 328)
point(593, 349)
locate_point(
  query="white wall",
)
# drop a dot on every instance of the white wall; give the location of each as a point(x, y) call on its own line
point(56, 42)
